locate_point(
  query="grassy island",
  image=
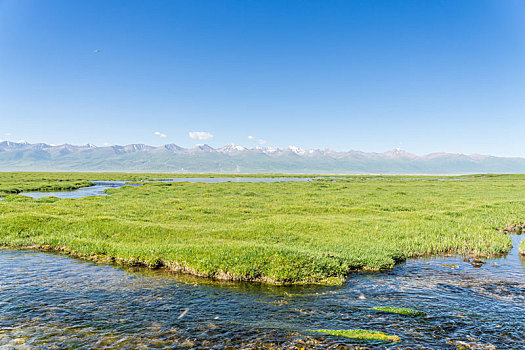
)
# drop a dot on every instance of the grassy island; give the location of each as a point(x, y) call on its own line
point(286, 232)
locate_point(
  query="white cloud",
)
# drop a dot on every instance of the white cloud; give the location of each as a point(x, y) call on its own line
point(259, 141)
point(200, 135)
point(159, 134)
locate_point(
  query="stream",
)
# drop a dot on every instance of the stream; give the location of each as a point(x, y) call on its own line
point(50, 301)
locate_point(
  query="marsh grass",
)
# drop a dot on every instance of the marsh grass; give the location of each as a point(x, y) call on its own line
point(16, 185)
point(358, 334)
point(286, 232)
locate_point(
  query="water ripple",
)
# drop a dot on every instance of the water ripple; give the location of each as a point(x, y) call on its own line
point(50, 301)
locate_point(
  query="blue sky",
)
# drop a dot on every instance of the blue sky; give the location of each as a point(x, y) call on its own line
point(425, 76)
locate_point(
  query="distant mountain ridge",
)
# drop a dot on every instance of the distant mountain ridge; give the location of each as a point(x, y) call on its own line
point(23, 156)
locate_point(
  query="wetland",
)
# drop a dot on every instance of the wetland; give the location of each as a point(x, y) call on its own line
point(421, 261)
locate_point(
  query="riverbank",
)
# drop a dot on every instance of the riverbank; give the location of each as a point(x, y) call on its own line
point(280, 233)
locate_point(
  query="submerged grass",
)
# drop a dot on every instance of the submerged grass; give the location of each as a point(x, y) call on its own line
point(287, 232)
point(358, 334)
point(399, 310)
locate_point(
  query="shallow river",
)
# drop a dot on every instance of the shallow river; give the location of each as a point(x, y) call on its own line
point(53, 301)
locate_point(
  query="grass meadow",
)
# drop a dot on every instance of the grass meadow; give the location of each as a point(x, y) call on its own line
point(283, 233)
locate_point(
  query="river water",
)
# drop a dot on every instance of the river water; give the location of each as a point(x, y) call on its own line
point(50, 301)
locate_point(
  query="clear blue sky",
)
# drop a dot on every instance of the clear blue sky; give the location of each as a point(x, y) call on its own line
point(426, 76)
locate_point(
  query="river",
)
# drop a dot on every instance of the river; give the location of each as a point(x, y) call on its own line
point(53, 301)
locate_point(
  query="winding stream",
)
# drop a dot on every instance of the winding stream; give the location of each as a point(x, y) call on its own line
point(96, 190)
point(101, 186)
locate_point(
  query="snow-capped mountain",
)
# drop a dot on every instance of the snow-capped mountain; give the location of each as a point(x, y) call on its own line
point(233, 158)
point(231, 148)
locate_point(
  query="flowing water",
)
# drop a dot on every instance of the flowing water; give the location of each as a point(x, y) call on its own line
point(51, 301)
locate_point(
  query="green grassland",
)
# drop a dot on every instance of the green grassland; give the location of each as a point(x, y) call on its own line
point(287, 232)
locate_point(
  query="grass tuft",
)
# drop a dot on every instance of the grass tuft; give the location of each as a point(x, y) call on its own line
point(399, 310)
point(359, 334)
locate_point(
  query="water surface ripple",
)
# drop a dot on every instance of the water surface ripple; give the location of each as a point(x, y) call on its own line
point(50, 301)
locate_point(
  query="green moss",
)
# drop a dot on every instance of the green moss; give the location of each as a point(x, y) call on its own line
point(399, 310)
point(358, 334)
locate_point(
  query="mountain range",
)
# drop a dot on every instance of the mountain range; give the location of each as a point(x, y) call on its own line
point(23, 156)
